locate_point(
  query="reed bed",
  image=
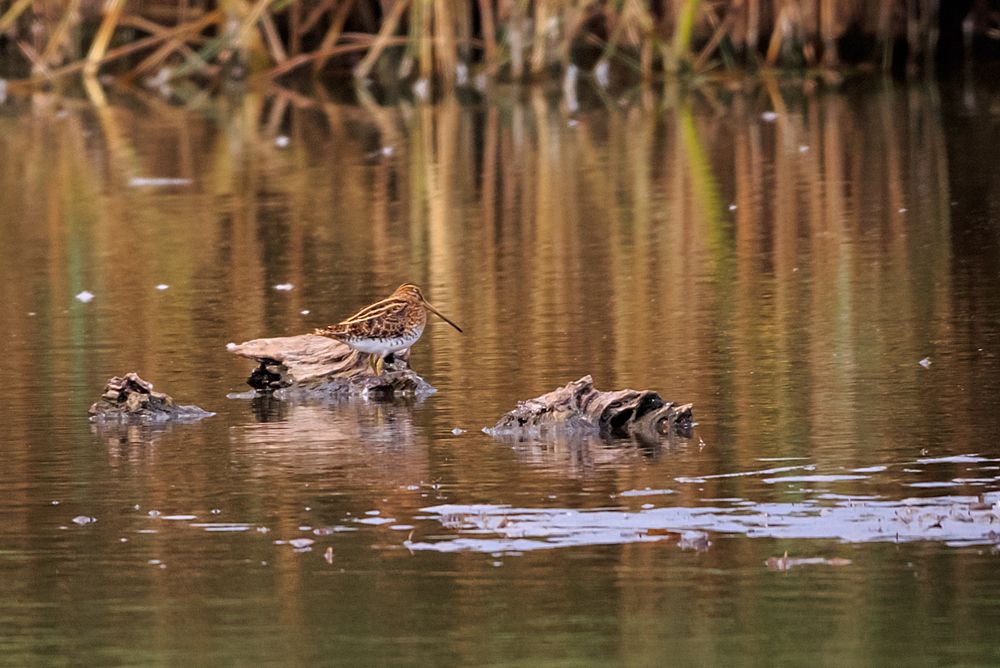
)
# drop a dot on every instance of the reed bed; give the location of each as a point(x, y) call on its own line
point(446, 43)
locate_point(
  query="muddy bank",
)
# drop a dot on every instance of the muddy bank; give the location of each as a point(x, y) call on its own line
point(580, 408)
point(129, 398)
point(309, 365)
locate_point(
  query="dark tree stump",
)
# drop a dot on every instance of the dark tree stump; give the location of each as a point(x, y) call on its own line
point(579, 407)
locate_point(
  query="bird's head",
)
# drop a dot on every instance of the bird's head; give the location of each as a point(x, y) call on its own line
point(412, 291)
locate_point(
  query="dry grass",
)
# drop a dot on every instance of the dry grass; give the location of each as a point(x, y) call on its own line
point(449, 42)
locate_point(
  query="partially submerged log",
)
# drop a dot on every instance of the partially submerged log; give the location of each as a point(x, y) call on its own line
point(129, 398)
point(312, 364)
point(580, 408)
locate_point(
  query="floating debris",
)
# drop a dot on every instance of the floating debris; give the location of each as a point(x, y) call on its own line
point(129, 398)
point(579, 408)
point(457, 431)
point(925, 362)
point(387, 151)
point(786, 563)
point(303, 312)
point(376, 521)
point(153, 182)
point(814, 478)
point(602, 73)
point(803, 148)
point(162, 286)
point(301, 543)
point(422, 89)
point(83, 520)
point(328, 555)
point(645, 492)
point(769, 116)
point(954, 520)
point(741, 474)
point(284, 287)
point(85, 296)
point(282, 141)
point(732, 207)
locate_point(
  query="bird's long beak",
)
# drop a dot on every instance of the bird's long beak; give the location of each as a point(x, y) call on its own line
point(430, 307)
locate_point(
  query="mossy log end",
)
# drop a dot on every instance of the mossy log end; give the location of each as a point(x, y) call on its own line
point(129, 398)
point(318, 365)
point(579, 407)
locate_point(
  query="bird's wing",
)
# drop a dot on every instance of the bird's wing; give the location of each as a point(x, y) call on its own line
point(389, 308)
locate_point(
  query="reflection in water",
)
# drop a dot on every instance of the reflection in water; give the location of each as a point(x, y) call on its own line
point(785, 274)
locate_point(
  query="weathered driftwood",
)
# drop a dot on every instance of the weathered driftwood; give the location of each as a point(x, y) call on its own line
point(579, 407)
point(129, 398)
point(319, 365)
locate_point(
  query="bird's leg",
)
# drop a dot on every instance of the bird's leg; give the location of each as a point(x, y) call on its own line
point(379, 365)
point(373, 363)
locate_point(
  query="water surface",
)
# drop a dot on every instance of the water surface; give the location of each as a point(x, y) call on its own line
point(786, 273)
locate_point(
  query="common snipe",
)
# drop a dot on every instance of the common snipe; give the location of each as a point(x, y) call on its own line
point(387, 326)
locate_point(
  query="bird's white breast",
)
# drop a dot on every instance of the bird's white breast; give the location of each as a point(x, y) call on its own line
point(383, 347)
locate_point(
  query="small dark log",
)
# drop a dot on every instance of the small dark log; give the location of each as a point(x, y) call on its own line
point(579, 407)
point(318, 365)
point(129, 398)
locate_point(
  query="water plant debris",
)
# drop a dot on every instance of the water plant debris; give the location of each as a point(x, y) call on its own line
point(129, 398)
point(578, 407)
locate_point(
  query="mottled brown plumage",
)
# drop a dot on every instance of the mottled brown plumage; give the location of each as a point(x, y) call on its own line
point(387, 326)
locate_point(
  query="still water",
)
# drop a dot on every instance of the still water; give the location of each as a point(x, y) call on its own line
point(785, 273)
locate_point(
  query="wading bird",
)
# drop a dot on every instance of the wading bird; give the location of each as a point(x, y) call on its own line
point(387, 326)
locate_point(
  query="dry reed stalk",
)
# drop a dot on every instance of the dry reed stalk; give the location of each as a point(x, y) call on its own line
point(200, 58)
point(422, 24)
point(160, 54)
point(7, 20)
point(273, 39)
point(445, 40)
point(249, 22)
point(722, 30)
point(489, 36)
point(315, 14)
point(112, 13)
point(541, 21)
point(295, 62)
point(389, 25)
point(333, 32)
point(38, 65)
point(61, 32)
point(683, 32)
point(827, 14)
point(295, 29)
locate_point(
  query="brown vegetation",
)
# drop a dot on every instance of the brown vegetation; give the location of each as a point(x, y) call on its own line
point(453, 41)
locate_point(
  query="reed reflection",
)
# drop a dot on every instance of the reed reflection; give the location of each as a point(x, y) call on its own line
point(781, 271)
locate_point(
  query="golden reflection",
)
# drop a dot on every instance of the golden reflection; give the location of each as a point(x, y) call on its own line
point(690, 247)
point(783, 274)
